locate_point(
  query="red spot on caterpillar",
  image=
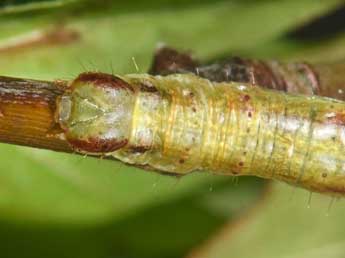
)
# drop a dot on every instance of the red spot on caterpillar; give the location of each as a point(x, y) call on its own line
point(146, 87)
point(246, 98)
point(139, 149)
point(103, 80)
point(95, 145)
point(337, 118)
point(241, 164)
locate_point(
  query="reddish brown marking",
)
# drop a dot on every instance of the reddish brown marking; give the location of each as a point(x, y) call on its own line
point(338, 119)
point(246, 98)
point(249, 114)
point(337, 190)
point(148, 88)
point(241, 164)
point(139, 149)
point(94, 145)
point(181, 161)
point(103, 80)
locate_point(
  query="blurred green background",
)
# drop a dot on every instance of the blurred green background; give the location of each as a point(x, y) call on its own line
point(62, 205)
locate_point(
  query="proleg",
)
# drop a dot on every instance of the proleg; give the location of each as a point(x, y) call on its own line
point(182, 123)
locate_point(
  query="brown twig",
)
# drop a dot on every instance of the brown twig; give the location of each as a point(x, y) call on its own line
point(301, 77)
point(27, 113)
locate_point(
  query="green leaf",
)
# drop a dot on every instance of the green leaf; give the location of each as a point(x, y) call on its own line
point(64, 205)
point(20, 6)
point(166, 229)
point(109, 41)
point(285, 227)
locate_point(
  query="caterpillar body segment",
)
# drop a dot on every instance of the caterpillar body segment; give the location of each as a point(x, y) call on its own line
point(182, 123)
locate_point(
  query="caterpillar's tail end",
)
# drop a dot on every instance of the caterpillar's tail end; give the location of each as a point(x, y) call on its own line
point(96, 112)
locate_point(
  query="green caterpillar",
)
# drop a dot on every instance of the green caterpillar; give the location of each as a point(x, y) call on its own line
point(182, 123)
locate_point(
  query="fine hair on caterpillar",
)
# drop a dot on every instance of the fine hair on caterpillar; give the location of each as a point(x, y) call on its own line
point(182, 123)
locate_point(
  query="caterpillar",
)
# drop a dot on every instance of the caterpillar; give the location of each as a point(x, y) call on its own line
point(182, 123)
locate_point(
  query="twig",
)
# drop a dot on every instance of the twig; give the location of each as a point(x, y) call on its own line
point(300, 77)
point(27, 113)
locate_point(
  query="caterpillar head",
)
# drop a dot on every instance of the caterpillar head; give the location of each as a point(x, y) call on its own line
point(96, 113)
